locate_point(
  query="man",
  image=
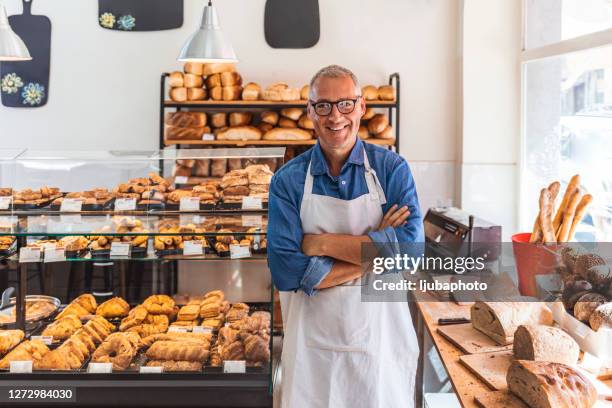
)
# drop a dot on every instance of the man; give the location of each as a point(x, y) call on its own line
point(339, 351)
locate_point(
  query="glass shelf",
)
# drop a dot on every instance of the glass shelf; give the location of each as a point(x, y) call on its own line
point(152, 257)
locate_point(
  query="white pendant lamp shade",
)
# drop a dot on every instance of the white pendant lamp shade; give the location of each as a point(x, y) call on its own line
point(208, 44)
point(12, 48)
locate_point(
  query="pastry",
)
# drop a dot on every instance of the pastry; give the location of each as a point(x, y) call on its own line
point(233, 351)
point(544, 343)
point(88, 301)
point(184, 350)
point(219, 294)
point(115, 307)
point(171, 365)
point(117, 349)
point(601, 317)
point(237, 311)
point(386, 93)
point(135, 317)
point(9, 339)
point(369, 92)
point(235, 178)
point(587, 304)
point(499, 320)
point(251, 92)
point(189, 312)
point(210, 310)
point(549, 385)
point(73, 309)
point(203, 338)
point(29, 350)
point(63, 328)
point(257, 349)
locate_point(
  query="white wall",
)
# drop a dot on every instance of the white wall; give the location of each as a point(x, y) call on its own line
point(104, 86)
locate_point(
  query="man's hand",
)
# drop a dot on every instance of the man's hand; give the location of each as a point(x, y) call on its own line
point(312, 244)
point(394, 217)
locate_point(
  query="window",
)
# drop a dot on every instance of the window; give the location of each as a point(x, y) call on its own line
point(567, 110)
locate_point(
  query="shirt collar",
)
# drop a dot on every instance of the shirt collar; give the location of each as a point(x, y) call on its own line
point(318, 165)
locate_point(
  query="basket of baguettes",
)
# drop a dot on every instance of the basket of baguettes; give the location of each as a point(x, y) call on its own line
point(156, 333)
point(545, 369)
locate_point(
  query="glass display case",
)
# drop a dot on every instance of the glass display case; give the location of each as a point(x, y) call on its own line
point(133, 288)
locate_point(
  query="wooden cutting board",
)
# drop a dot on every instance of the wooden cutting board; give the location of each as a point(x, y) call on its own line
point(499, 399)
point(469, 340)
point(140, 15)
point(491, 368)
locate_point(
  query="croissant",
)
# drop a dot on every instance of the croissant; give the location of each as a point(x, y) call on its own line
point(159, 304)
point(87, 301)
point(63, 328)
point(215, 357)
point(29, 350)
point(227, 335)
point(215, 293)
point(234, 351)
point(101, 320)
point(237, 311)
point(145, 330)
point(72, 309)
point(256, 349)
point(9, 339)
point(178, 350)
point(84, 338)
point(58, 359)
point(115, 307)
point(136, 316)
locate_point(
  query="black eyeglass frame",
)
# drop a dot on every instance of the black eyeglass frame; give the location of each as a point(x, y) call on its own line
point(314, 105)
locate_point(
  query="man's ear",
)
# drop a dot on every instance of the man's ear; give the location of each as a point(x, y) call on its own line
point(362, 102)
point(310, 111)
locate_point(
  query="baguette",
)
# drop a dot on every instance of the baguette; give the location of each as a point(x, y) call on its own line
point(240, 133)
point(579, 214)
point(573, 184)
point(536, 235)
point(287, 134)
point(568, 216)
point(545, 217)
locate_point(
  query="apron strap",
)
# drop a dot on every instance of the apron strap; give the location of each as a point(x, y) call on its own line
point(307, 185)
point(375, 190)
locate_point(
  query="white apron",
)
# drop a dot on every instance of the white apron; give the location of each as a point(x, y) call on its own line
point(339, 351)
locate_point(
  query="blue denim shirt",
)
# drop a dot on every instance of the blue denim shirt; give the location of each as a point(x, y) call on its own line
point(291, 269)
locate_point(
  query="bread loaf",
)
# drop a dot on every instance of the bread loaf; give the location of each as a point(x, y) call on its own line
point(240, 133)
point(305, 93)
point(175, 80)
point(305, 123)
point(195, 68)
point(292, 113)
point(387, 133)
point(386, 93)
point(585, 262)
point(193, 81)
point(264, 127)
point(213, 81)
point(186, 133)
point(231, 79)
point(368, 114)
point(216, 68)
point(216, 93)
point(290, 94)
point(186, 119)
point(369, 92)
point(378, 123)
point(287, 134)
point(363, 132)
point(499, 320)
point(600, 276)
point(178, 94)
point(251, 92)
point(269, 117)
point(240, 118)
point(587, 304)
point(234, 164)
point(232, 93)
point(218, 120)
point(544, 343)
point(218, 167)
point(573, 291)
point(202, 168)
point(196, 94)
point(601, 317)
point(550, 385)
point(286, 123)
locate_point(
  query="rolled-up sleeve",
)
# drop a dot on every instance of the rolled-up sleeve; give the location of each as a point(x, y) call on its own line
point(291, 269)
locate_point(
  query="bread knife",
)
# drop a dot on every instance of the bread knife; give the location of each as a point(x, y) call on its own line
point(455, 320)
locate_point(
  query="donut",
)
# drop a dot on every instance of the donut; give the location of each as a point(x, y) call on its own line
point(116, 349)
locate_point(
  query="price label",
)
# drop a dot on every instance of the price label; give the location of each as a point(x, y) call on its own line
point(208, 136)
point(125, 204)
point(151, 370)
point(71, 205)
point(53, 254)
point(5, 202)
point(189, 204)
point(120, 249)
point(29, 254)
point(20, 367)
point(251, 203)
point(180, 180)
point(100, 368)
point(234, 366)
point(177, 329)
point(239, 251)
point(193, 248)
point(48, 340)
point(202, 329)
point(252, 221)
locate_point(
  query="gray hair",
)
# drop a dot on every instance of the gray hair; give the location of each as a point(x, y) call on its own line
point(334, 71)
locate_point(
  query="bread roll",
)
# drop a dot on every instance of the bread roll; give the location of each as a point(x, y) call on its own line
point(232, 93)
point(386, 93)
point(269, 117)
point(386, 134)
point(264, 127)
point(305, 123)
point(286, 123)
point(251, 92)
point(586, 305)
point(369, 114)
point(178, 94)
point(202, 168)
point(369, 92)
point(196, 94)
point(216, 68)
point(305, 93)
point(499, 320)
point(218, 120)
point(287, 134)
point(175, 80)
point(216, 93)
point(272, 95)
point(231, 79)
point(240, 118)
point(292, 113)
point(218, 167)
point(213, 80)
point(550, 385)
point(544, 343)
point(378, 123)
point(193, 81)
point(240, 133)
point(186, 119)
point(290, 94)
point(601, 317)
point(363, 133)
point(195, 68)
point(185, 133)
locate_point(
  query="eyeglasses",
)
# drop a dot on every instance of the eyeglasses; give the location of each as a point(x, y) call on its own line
point(345, 106)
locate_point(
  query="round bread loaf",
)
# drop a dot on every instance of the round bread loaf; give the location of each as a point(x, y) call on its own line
point(386, 93)
point(305, 93)
point(251, 92)
point(286, 123)
point(569, 255)
point(305, 123)
point(178, 94)
point(193, 81)
point(176, 79)
point(378, 123)
point(601, 317)
point(363, 132)
point(369, 92)
point(196, 94)
point(387, 133)
point(269, 117)
point(368, 114)
point(573, 291)
point(585, 262)
point(544, 343)
point(586, 305)
point(218, 120)
point(240, 118)
point(292, 113)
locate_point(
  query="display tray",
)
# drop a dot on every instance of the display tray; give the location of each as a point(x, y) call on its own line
point(238, 206)
point(203, 207)
point(87, 207)
point(136, 252)
point(8, 319)
point(171, 252)
point(4, 253)
point(37, 206)
point(151, 207)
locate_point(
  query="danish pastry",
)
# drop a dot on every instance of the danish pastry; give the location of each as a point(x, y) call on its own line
point(115, 307)
point(159, 304)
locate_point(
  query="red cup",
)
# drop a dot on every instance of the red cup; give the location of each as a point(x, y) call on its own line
point(532, 260)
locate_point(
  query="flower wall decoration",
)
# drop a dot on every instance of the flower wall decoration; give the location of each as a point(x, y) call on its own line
point(107, 20)
point(126, 22)
point(33, 94)
point(11, 83)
